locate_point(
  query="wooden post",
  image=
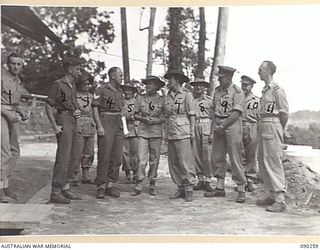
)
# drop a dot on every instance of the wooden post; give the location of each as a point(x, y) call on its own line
point(150, 41)
point(125, 48)
point(220, 47)
point(201, 45)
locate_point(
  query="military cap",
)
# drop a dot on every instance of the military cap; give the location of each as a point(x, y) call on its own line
point(247, 80)
point(178, 73)
point(154, 78)
point(71, 61)
point(200, 80)
point(129, 85)
point(84, 77)
point(225, 71)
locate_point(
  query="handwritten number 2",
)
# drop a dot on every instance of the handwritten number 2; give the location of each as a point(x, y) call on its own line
point(178, 103)
point(63, 96)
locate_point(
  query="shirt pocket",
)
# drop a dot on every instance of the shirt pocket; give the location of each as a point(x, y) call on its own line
point(206, 128)
point(267, 136)
point(183, 126)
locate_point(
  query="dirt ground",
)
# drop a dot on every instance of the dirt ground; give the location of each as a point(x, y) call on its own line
point(159, 215)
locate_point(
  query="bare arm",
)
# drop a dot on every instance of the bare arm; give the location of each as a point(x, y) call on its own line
point(56, 128)
point(96, 117)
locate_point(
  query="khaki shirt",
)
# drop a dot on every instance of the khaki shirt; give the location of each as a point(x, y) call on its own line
point(179, 106)
point(85, 123)
point(203, 104)
point(63, 96)
point(150, 106)
point(128, 112)
point(108, 99)
point(251, 109)
point(273, 101)
point(10, 94)
point(226, 101)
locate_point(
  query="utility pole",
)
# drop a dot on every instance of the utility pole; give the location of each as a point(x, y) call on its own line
point(125, 47)
point(150, 41)
point(220, 46)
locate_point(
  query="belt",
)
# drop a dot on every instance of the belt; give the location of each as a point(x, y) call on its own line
point(109, 113)
point(8, 107)
point(248, 123)
point(221, 117)
point(65, 111)
point(270, 119)
point(203, 120)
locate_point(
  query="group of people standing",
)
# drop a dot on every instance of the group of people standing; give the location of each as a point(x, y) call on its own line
point(200, 130)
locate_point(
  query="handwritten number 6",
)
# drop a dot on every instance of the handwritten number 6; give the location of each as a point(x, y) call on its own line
point(151, 107)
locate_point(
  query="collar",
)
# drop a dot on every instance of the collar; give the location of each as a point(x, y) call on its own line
point(227, 90)
point(270, 85)
point(109, 86)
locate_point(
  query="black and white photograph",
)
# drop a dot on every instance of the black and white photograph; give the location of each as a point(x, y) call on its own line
point(191, 121)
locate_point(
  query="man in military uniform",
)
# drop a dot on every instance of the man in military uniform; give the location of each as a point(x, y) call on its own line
point(250, 117)
point(11, 114)
point(228, 102)
point(107, 112)
point(63, 97)
point(83, 150)
point(130, 144)
point(180, 131)
point(274, 117)
point(202, 145)
point(150, 112)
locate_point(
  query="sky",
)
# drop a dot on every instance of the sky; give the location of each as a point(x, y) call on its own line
point(287, 35)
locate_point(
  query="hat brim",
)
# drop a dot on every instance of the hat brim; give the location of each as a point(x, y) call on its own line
point(134, 89)
point(203, 82)
point(183, 77)
point(247, 82)
point(159, 82)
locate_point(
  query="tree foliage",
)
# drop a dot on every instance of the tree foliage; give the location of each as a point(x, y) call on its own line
point(81, 30)
point(188, 30)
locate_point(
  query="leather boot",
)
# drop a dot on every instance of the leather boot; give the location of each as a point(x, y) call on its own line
point(152, 188)
point(180, 193)
point(241, 197)
point(85, 176)
point(189, 196)
point(128, 178)
point(200, 186)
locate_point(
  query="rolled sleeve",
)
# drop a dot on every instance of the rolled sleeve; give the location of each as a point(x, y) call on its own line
point(282, 101)
point(190, 104)
point(238, 101)
point(136, 109)
point(96, 101)
point(51, 100)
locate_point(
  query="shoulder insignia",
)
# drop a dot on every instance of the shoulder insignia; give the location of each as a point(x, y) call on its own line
point(238, 89)
point(186, 89)
point(208, 97)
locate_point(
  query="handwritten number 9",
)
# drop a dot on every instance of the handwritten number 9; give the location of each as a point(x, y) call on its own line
point(225, 105)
